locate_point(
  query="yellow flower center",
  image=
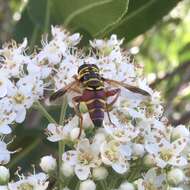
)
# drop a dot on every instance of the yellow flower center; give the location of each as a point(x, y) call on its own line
point(111, 155)
point(166, 154)
point(85, 158)
point(150, 186)
point(19, 98)
point(25, 186)
point(119, 133)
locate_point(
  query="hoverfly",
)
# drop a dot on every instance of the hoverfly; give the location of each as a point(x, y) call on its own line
point(94, 93)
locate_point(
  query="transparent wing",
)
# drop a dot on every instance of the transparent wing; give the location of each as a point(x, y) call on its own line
point(127, 86)
point(62, 91)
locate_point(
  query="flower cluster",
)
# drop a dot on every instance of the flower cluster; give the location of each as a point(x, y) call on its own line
point(137, 149)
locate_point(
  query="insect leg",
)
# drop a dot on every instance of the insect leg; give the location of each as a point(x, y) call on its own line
point(76, 100)
point(116, 92)
point(113, 92)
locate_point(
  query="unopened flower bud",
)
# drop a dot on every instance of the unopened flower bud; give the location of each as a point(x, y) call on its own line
point(48, 164)
point(148, 161)
point(3, 187)
point(65, 188)
point(74, 133)
point(67, 170)
point(138, 150)
point(175, 176)
point(4, 175)
point(99, 138)
point(175, 188)
point(126, 186)
point(100, 173)
point(179, 131)
point(87, 121)
point(87, 185)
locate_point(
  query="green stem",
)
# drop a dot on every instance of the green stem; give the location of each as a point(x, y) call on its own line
point(135, 172)
point(44, 112)
point(77, 185)
point(33, 38)
point(47, 17)
point(103, 185)
point(61, 145)
point(24, 153)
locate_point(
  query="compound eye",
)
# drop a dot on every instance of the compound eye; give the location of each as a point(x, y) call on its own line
point(85, 77)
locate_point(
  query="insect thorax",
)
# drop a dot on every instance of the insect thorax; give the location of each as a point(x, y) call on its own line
point(89, 76)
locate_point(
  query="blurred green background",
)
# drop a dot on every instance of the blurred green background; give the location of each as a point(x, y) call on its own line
point(157, 32)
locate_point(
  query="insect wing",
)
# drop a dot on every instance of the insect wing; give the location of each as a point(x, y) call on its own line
point(127, 86)
point(62, 91)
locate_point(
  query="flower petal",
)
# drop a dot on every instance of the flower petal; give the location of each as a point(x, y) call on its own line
point(70, 157)
point(82, 172)
point(120, 167)
point(178, 161)
point(179, 144)
point(5, 129)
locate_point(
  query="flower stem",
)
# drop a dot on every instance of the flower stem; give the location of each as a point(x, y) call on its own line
point(103, 185)
point(135, 171)
point(47, 17)
point(61, 145)
point(44, 112)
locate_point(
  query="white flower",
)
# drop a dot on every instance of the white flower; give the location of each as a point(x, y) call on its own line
point(67, 132)
point(7, 115)
point(38, 69)
point(166, 153)
point(58, 48)
point(175, 188)
point(152, 180)
point(180, 131)
point(119, 130)
point(138, 150)
point(116, 156)
point(67, 170)
point(175, 176)
point(5, 83)
point(74, 134)
point(59, 34)
point(50, 53)
point(83, 159)
point(98, 139)
point(4, 187)
point(100, 173)
point(67, 69)
point(56, 132)
point(4, 175)
point(87, 185)
point(33, 182)
point(14, 58)
point(32, 85)
point(4, 153)
point(106, 46)
point(48, 163)
point(126, 186)
point(149, 161)
point(65, 188)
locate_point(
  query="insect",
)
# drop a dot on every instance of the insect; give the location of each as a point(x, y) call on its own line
point(94, 93)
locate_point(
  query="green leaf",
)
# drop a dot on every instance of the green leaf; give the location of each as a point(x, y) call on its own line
point(91, 18)
point(37, 11)
point(95, 17)
point(141, 16)
point(87, 16)
point(23, 28)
